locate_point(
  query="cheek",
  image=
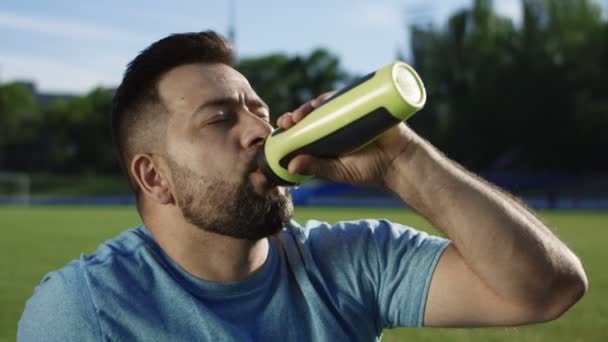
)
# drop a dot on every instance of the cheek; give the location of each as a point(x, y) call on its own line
point(217, 162)
point(210, 153)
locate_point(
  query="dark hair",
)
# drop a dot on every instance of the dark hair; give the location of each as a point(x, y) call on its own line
point(138, 114)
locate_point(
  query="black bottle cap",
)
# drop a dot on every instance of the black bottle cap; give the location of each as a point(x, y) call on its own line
point(267, 171)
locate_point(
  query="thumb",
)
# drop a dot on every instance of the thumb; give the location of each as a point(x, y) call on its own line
point(313, 166)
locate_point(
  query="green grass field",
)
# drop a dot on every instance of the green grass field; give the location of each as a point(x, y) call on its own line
point(36, 240)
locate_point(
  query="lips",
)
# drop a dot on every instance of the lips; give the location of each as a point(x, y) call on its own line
point(256, 174)
point(253, 167)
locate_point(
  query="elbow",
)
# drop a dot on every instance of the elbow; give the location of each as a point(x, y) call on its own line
point(564, 292)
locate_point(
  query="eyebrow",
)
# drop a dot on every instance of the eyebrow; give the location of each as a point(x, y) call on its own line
point(228, 101)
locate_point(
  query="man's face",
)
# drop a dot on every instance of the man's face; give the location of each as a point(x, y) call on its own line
point(216, 125)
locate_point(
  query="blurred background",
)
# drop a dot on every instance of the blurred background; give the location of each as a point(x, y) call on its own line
point(516, 93)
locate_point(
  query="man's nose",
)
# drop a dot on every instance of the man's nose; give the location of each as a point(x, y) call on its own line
point(255, 130)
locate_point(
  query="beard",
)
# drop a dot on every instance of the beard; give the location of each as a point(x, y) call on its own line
point(216, 205)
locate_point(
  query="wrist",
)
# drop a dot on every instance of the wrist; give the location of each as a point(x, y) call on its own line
point(402, 163)
point(413, 172)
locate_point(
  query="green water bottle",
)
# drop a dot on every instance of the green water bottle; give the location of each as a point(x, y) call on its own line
point(350, 119)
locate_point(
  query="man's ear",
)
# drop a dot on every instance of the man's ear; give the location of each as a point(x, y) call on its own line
point(151, 180)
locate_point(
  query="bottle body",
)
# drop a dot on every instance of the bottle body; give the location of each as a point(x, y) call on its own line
point(347, 121)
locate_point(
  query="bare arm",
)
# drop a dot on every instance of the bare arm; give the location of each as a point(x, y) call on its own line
point(503, 267)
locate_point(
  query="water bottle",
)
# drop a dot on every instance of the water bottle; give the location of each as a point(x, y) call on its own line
point(350, 119)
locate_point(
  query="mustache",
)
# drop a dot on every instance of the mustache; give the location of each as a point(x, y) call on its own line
point(252, 163)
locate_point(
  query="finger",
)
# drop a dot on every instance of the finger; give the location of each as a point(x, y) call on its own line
point(280, 121)
point(322, 98)
point(285, 121)
point(301, 164)
point(309, 165)
point(299, 115)
point(309, 106)
point(302, 111)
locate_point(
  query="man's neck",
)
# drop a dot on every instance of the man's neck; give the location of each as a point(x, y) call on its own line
point(209, 256)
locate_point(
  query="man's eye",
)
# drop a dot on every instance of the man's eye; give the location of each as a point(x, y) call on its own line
point(221, 117)
point(218, 120)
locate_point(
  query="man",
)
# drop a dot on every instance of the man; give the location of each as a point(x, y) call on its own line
point(218, 259)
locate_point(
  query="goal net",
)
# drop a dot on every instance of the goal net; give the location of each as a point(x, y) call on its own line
point(14, 188)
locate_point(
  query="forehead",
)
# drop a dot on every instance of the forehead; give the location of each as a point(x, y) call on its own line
point(186, 87)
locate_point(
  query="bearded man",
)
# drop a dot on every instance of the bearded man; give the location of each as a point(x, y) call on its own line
point(218, 258)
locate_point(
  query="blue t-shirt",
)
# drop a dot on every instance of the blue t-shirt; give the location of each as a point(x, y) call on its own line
point(319, 283)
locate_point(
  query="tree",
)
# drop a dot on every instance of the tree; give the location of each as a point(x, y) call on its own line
point(286, 82)
point(521, 98)
point(80, 139)
point(18, 114)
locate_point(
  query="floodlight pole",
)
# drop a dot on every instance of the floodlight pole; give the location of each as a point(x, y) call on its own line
point(232, 22)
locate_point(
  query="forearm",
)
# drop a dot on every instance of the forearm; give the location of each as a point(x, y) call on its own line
point(510, 249)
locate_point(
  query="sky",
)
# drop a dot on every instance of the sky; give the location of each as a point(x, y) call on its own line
point(72, 46)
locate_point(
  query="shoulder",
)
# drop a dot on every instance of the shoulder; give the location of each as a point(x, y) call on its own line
point(125, 246)
point(372, 241)
point(60, 308)
point(346, 237)
point(368, 230)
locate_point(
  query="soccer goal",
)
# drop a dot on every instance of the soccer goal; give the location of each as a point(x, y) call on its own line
point(14, 188)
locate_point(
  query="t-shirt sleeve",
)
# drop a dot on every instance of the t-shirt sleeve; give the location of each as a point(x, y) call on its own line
point(60, 309)
point(389, 262)
point(407, 260)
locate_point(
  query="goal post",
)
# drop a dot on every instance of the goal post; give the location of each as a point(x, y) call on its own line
point(15, 188)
